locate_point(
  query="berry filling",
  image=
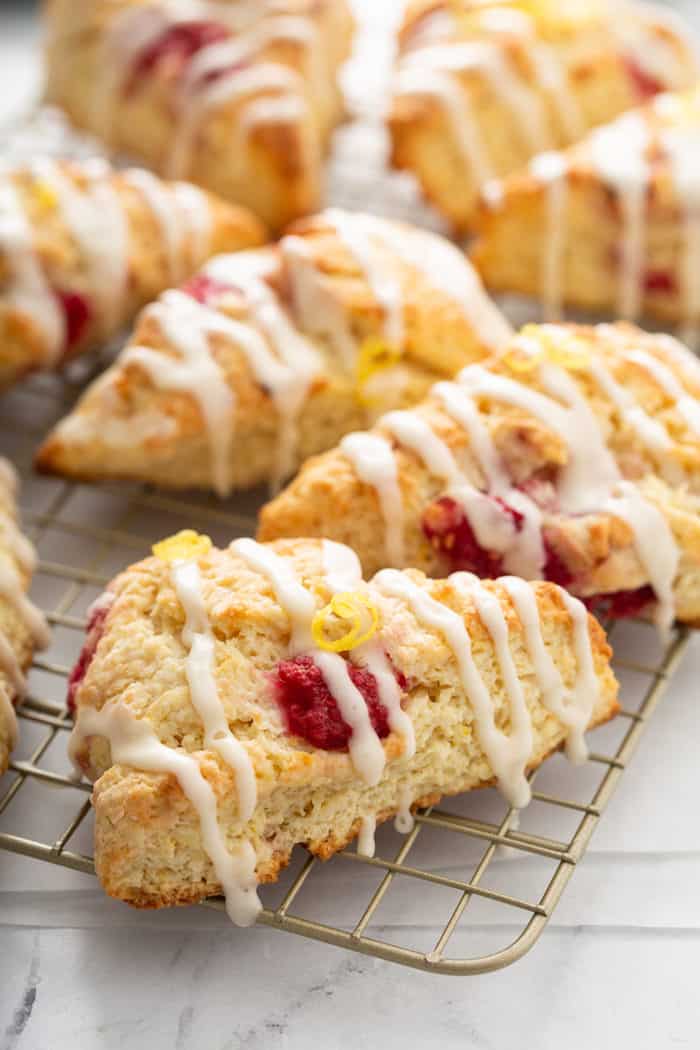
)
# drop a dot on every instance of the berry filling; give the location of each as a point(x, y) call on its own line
point(77, 313)
point(660, 281)
point(621, 605)
point(555, 568)
point(645, 85)
point(205, 289)
point(447, 526)
point(176, 45)
point(95, 630)
point(310, 709)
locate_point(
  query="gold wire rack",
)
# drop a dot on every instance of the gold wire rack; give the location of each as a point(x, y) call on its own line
point(79, 554)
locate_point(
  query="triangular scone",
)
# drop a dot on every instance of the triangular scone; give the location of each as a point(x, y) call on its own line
point(22, 626)
point(573, 456)
point(481, 87)
point(83, 248)
point(611, 225)
point(239, 98)
point(234, 703)
point(270, 356)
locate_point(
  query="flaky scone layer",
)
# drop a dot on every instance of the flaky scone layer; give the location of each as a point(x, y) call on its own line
point(148, 837)
point(638, 397)
point(240, 99)
point(272, 356)
point(609, 225)
point(481, 88)
point(84, 247)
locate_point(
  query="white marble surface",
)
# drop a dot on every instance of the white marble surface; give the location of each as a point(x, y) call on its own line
point(616, 967)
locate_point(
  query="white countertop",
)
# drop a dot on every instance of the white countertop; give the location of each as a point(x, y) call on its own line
point(616, 967)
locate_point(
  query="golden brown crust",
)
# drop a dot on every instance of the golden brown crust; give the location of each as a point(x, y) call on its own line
point(602, 73)
point(148, 845)
point(327, 498)
point(261, 146)
point(126, 427)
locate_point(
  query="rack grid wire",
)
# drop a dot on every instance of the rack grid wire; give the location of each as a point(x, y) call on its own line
point(86, 534)
point(54, 517)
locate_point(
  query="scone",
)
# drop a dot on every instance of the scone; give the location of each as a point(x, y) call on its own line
point(22, 627)
point(235, 703)
point(239, 98)
point(611, 225)
point(270, 356)
point(83, 248)
point(574, 457)
point(481, 87)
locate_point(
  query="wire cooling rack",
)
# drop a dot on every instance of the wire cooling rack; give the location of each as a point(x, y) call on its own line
point(467, 861)
point(84, 535)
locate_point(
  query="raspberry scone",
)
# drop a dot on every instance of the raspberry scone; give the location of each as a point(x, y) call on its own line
point(612, 224)
point(22, 627)
point(574, 456)
point(232, 704)
point(481, 87)
point(83, 248)
point(239, 98)
point(270, 356)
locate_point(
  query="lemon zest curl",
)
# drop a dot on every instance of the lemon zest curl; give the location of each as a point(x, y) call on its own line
point(353, 607)
point(186, 545)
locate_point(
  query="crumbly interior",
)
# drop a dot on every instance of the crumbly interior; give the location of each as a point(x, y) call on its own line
point(148, 846)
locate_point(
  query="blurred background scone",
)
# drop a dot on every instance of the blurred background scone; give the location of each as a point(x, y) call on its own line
point(480, 87)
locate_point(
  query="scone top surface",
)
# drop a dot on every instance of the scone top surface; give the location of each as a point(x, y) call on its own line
point(289, 700)
point(573, 455)
point(281, 350)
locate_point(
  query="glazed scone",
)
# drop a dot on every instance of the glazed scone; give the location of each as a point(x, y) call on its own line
point(22, 627)
point(268, 357)
point(239, 98)
point(481, 87)
point(83, 248)
point(232, 704)
point(574, 456)
point(611, 225)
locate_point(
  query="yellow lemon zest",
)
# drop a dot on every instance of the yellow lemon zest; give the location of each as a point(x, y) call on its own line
point(536, 344)
point(565, 349)
point(520, 360)
point(44, 195)
point(353, 607)
point(186, 545)
point(375, 356)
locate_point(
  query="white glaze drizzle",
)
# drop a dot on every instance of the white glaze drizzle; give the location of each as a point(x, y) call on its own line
point(655, 545)
point(550, 169)
point(365, 748)
point(297, 363)
point(197, 636)
point(404, 821)
point(356, 233)
point(186, 324)
point(572, 707)
point(343, 572)
point(374, 463)
point(240, 84)
point(499, 749)
point(177, 214)
point(617, 152)
point(686, 405)
point(96, 218)
point(28, 289)
point(365, 841)
point(134, 743)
